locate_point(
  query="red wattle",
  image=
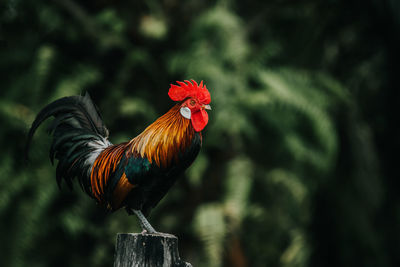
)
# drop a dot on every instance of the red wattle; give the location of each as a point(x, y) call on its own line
point(199, 120)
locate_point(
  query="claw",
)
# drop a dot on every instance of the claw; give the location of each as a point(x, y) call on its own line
point(144, 223)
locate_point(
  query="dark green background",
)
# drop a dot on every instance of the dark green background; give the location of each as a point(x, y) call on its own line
point(299, 163)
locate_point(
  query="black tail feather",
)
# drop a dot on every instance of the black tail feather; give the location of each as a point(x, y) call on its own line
point(78, 111)
point(79, 135)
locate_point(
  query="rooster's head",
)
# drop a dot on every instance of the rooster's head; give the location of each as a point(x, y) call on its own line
point(194, 100)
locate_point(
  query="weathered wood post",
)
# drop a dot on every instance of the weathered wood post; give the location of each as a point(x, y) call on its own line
point(153, 250)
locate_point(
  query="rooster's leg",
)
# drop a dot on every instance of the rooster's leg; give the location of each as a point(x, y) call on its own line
point(144, 223)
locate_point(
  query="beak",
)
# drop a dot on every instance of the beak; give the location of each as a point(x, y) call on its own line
point(207, 107)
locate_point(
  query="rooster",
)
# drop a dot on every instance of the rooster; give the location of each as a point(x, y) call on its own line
point(134, 175)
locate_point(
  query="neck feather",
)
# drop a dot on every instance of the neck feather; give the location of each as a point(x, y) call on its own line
point(164, 139)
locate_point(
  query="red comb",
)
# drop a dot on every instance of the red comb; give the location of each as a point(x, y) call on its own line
point(189, 89)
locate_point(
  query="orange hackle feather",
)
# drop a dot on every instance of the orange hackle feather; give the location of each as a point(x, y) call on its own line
point(103, 166)
point(163, 140)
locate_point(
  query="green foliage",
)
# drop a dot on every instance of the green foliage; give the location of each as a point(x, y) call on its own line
point(294, 169)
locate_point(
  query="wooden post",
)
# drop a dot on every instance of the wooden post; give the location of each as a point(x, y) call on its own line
point(153, 250)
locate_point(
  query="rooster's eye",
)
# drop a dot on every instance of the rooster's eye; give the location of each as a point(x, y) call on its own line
point(192, 102)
